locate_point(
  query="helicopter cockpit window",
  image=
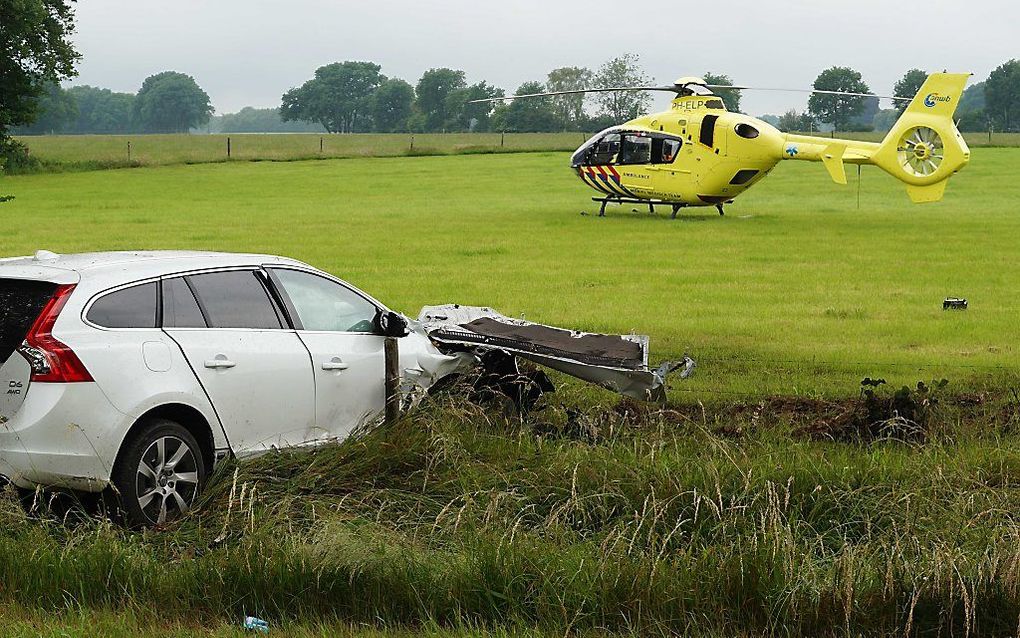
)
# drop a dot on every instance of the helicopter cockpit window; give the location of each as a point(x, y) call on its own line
point(636, 149)
point(605, 151)
point(665, 151)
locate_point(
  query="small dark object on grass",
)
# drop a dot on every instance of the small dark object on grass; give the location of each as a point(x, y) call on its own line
point(954, 303)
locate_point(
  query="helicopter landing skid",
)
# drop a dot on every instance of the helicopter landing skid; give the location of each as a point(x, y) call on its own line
point(651, 204)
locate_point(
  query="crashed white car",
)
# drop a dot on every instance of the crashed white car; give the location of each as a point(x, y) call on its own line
point(140, 370)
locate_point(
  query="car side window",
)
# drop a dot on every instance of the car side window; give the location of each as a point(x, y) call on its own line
point(180, 309)
point(235, 299)
point(132, 307)
point(323, 304)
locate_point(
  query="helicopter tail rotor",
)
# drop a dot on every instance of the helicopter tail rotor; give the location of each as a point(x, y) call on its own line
point(924, 148)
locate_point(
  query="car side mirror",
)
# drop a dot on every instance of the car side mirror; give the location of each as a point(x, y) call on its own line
point(390, 324)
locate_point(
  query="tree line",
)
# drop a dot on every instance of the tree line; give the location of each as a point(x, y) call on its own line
point(356, 97)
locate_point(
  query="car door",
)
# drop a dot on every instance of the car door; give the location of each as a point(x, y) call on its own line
point(336, 325)
point(252, 365)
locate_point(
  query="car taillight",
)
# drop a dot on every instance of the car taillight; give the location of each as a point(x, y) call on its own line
point(51, 360)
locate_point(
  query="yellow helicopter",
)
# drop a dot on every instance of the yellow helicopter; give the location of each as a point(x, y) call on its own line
point(699, 154)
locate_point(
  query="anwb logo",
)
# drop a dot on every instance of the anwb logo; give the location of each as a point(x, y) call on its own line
point(932, 98)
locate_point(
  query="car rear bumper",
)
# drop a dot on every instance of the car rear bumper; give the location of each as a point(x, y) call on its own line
point(64, 435)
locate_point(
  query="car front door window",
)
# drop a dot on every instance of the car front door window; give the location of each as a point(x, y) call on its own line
point(324, 305)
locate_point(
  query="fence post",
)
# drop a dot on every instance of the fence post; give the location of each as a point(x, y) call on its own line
point(502, 134)
point(392, 379)
point(228, 147)
point(320, 145)
point(129, 150)
point(412, 143)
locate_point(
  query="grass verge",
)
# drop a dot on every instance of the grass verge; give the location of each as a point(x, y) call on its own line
point(725, 520)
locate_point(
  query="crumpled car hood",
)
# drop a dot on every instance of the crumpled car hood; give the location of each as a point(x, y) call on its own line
point(615, 362)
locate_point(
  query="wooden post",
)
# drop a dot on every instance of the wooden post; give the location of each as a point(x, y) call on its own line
point(412, 142)
point(228, 147)
point(129, 150)
point(320, 145)
point(502, 134)
point(392, 379)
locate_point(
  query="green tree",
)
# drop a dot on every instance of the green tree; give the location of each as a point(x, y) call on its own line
point(569, 109)
point(171, 102)
point(907, 87)
point(970, 114)
point(731, 97)
point(789, 121)
point(530, 115)
point(974, 121)
point(1002, 96)
point(102, 110)
point(465, 116)
point(794, 121)
point(885, 119)
point(57, 111)
point(622, 71)
point(838, 109)
point(865, 120)
point(338, 95)
point(433, 89)
point(35, 52)
point(973, 98)
point(392, 105)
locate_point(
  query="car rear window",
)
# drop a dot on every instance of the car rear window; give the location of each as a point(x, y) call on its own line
point(235, 299)
point(180, 309)
point(21, 301)
point(132, 307)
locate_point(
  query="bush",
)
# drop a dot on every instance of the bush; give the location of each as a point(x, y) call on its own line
point(15, 158)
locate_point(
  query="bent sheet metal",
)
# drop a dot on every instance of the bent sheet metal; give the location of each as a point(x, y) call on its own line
point(616, 362)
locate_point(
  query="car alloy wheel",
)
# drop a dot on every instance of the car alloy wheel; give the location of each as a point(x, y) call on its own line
point(166, 481)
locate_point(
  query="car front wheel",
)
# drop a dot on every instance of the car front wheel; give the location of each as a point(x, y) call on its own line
point(159, 473)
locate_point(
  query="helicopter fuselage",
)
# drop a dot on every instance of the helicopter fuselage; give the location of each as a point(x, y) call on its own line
point(695, 154)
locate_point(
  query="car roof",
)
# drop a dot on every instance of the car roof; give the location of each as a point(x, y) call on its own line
point(113, 267)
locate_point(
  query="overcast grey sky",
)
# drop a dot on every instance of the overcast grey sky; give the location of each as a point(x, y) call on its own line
point(247, 53)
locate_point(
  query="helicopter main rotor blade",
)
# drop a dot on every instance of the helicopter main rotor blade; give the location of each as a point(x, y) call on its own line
point(671, 89)
point(847, 93)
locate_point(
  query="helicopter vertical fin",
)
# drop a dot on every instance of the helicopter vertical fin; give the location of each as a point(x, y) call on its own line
point(832, 158)
point(924, 148)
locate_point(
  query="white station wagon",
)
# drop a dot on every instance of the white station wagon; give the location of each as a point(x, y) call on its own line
point(141, 370)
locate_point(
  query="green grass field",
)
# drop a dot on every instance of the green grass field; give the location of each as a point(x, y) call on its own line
point(729, 512)
point(794, 291)
point(86, 152)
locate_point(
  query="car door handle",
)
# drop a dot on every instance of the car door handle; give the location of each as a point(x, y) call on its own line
point(219, 363)
point(334, 364)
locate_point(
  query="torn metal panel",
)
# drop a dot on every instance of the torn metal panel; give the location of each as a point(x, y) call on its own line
point(616, 362)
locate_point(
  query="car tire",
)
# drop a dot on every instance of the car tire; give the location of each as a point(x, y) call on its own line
point(159, 473)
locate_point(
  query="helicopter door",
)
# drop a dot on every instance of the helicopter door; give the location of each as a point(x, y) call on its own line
point(707, 135)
